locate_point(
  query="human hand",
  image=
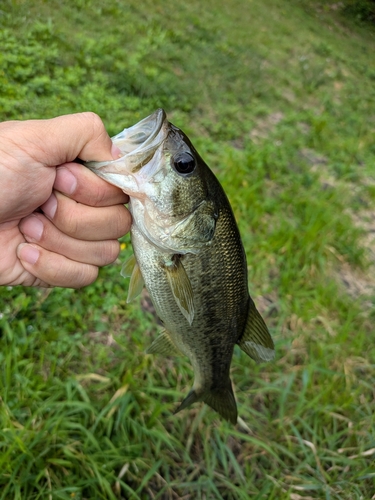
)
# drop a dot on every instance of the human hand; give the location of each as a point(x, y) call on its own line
point(59, 222)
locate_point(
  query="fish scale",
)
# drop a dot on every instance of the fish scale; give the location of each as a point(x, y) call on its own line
point(189, 255)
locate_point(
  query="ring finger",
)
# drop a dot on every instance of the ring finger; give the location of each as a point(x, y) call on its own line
point(38, 229)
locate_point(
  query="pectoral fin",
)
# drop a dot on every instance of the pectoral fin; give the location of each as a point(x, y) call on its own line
point(198, 227)
point(128, 266)
point(163, 345)
point(181, 288)
point(256, 340)
point(136, 284)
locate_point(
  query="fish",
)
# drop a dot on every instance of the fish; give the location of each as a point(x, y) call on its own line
point(189, 255)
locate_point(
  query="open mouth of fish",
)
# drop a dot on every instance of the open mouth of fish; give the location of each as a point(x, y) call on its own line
point(137, 144)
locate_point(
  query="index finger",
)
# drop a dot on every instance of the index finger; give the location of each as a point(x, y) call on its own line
point(79, 183)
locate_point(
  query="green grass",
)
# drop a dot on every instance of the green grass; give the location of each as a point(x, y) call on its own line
point(279, 98)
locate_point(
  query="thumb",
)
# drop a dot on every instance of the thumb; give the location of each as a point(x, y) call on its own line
point(64, 138)
point(81, 135)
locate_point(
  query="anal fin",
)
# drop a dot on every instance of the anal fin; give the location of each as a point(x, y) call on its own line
point(191, 398)
point(256, 340)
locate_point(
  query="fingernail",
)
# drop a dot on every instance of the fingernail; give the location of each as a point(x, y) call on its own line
point(116, 152)
point(32, 227)
point(50, 206)
point(65, 181)
point(28, 253)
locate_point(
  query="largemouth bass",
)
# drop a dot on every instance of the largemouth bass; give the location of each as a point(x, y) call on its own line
point(189, 255)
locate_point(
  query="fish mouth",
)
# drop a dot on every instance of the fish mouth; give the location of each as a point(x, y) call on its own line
point(137, 145)
point(142, 135)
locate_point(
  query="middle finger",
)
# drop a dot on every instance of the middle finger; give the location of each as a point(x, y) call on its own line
point(85, 222)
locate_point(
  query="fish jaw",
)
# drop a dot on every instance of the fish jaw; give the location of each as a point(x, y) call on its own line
point(141, 151)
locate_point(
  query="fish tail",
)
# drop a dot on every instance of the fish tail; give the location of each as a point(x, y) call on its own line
point(221, 399)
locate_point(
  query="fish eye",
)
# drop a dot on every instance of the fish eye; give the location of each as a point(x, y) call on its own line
point(184, 163)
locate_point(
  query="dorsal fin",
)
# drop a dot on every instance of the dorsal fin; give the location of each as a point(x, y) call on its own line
point(256, 340)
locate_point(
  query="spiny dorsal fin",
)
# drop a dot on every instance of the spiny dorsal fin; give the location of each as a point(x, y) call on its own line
point(181, 287)
point(136, 284)
point(163, 345)
point(256, 340)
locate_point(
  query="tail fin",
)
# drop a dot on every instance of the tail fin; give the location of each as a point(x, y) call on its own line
point(220, 399)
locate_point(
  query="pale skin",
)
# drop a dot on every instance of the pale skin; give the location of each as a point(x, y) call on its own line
point(59, 222)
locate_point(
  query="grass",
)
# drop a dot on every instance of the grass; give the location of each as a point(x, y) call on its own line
point(279, 99)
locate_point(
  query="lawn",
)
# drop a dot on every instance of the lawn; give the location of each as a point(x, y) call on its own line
point(279, 99)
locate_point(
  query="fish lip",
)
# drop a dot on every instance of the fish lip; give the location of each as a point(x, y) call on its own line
point(137, 144)
point(147, 131)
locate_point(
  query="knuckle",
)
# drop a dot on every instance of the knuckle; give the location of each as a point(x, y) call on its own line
point(68, 215)
point(99, 196)
point(71, 274)
point(92, 118)
point(89, 275)
point(122, 222)
point(71, 223)
point(110, 252)
point(126, 222)
point(96, 124)
point(54, 269)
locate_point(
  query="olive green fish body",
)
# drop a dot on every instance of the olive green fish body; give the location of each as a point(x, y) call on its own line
point(189, 254)
point(218, 276)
